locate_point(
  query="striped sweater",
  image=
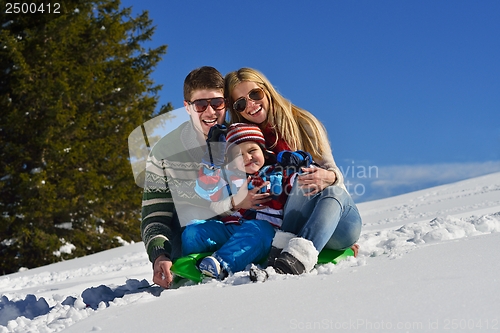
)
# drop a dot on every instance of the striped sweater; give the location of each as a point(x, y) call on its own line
point(169, 199)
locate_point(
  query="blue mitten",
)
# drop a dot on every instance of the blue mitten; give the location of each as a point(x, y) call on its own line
point(216, 146)
point(298, 159)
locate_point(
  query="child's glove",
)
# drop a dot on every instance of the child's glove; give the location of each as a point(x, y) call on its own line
point(298, 159)
point(216, 146)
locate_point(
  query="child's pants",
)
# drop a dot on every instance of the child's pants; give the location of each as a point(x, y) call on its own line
point(235, 245)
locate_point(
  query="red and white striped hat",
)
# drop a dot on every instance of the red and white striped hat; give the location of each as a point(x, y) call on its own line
point(241, 132)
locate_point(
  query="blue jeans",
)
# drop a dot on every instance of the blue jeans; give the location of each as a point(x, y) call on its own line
point(329, 219)
point(235, 245)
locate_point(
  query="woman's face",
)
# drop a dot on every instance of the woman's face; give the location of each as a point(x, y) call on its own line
point(256, 111)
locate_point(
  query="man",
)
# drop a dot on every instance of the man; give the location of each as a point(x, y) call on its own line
point(169, 200)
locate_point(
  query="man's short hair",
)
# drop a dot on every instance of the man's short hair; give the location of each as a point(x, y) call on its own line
point(206, 77)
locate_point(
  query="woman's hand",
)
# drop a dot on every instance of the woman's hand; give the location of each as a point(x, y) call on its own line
point(161, 271)
point(249, 199)
point(316, 179)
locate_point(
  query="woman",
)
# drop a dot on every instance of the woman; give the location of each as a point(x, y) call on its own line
point(319, 212)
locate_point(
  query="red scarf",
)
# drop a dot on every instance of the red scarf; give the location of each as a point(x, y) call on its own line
point(270, 137)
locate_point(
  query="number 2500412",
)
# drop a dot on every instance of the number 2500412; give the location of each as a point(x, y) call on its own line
point(32, 8)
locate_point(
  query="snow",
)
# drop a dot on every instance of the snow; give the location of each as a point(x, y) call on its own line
point(66, 248)
point(428, 262)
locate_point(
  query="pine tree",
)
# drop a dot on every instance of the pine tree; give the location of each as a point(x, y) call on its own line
point(73, 85)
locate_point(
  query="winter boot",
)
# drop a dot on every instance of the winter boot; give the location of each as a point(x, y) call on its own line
point(280, 241)
point(298, 257)
point(212, 267)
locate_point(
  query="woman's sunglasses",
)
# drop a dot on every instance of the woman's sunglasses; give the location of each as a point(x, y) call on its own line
point(241, 103)
point(200, 105)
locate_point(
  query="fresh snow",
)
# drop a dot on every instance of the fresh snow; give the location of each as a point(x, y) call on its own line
point(428, 262)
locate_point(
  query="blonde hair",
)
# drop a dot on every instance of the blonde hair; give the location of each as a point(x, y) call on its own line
point(297, 127)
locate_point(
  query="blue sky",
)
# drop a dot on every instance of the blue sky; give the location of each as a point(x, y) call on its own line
point(409, 88)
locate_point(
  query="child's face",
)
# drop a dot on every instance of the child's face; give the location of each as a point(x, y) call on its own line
point(248, 157)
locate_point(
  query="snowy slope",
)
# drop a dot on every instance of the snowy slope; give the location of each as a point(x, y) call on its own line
point(428, 262)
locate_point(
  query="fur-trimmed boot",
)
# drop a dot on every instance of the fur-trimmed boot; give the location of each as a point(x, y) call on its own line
point(298, 257)
point(280, 241)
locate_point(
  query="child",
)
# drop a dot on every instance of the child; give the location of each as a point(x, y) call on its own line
point(246, 235)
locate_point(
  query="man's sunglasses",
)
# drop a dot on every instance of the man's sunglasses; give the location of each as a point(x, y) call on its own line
point(200, 105)
point(241, 103)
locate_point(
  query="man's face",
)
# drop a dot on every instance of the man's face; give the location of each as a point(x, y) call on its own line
point(203, 121)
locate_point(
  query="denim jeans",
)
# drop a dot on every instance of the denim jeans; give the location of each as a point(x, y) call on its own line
point(329, 219)
point(235, 245)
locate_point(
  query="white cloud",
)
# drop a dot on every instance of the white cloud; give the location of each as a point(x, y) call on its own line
point(448, 172)
point(399, 179)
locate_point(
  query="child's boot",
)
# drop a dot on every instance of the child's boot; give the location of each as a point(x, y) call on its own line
point(212, 267)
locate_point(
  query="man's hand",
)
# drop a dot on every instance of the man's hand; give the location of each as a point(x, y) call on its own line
point(161, 271)
point(296, 160)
